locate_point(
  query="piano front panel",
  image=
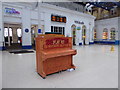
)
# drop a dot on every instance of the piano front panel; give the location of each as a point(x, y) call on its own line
point(53, 65)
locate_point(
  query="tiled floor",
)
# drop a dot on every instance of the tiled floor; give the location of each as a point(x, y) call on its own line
point(97, 67)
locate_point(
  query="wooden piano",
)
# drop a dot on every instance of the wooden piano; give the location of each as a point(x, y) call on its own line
point(53, 54)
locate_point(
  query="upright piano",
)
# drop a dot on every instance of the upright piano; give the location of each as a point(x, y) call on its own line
point(54, 53)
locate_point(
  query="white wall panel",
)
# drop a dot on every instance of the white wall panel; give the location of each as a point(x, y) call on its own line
point(26, 24)
point(106, 23)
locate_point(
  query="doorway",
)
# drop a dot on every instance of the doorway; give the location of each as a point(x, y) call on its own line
point(73, 27)
point(12, 36)
point(34, 30)
point(84, 34)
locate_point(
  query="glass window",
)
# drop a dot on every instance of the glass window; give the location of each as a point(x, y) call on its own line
point(95, 37)
point(6, 32)
point(58, 29)
point(112, 34)
point(19, 32)
point(51, 28)
point(10, 32)
point(63, 30)
point(105, 33)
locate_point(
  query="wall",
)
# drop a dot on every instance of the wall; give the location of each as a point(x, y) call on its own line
point(119, 28)
point(26, 18)
point(71, 17)
point(26, 25)
point(1, 27)
point(12, 18)
point(106, 23)
point(17, 19)
point(31, 15)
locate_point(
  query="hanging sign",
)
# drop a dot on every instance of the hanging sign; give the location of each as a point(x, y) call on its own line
point(11, 11)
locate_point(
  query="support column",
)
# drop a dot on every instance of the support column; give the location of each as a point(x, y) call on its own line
point(26, 29)
point(1, 43)
point(117, 42)
point(15, 37)
point(119, 51)
point(8, 35)
point(1, 28)
point(39, 19)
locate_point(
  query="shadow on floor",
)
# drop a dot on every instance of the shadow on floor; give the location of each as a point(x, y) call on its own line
point(16, 46)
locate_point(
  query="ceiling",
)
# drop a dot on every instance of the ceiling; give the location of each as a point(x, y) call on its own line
point(104, 5)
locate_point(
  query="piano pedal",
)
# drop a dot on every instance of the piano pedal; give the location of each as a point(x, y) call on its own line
point(60, 71)
point(69, 70)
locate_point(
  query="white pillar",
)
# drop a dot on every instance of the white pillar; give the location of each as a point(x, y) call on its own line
point(1, 43)
point(118, 39)
point(91, 33)
point(39, 16)
point(26, 29)
point(119, 49)
point(15, 37)
point(1, 27)
point(8, 35)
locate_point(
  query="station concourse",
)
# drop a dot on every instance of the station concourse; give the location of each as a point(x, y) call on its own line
point(59, 44)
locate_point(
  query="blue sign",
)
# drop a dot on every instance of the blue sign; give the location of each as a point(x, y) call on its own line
point(39, 30)
point(78, 28)
point(26, 30)
point(11, 11)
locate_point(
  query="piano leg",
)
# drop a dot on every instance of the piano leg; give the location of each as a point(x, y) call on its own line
point(41, 76)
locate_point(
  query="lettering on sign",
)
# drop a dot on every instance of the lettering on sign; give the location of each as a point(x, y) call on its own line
point(79, 22)
point(11, 11)
point(57, 42)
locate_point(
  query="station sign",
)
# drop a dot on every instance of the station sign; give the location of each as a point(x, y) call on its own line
point(11, 11)
point(79, 22)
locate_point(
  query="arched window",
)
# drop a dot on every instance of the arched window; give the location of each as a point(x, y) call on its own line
point(95, 37)
point(105, 33)
point(112, 33)
point(83, 32)
point(73, 27)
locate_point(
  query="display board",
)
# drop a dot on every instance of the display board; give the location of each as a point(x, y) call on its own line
point(58, 18)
